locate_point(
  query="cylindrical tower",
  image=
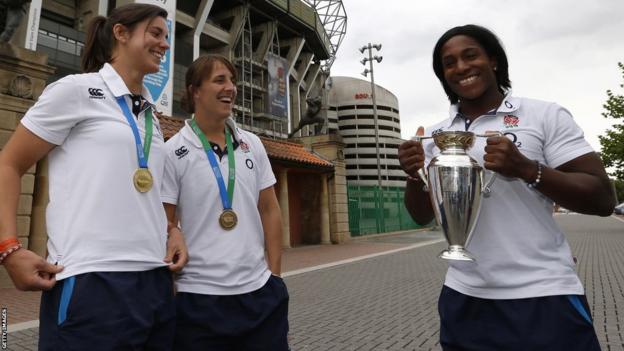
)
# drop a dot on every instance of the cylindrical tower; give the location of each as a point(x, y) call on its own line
point(351, 114)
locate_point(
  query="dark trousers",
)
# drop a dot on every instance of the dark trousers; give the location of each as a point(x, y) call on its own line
point(105, 311)
point(255, 321)
point(549, 323)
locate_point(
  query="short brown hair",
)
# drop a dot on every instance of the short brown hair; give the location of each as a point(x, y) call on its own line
point(199, 70)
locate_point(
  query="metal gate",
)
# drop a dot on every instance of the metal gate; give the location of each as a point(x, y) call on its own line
point(373, 210)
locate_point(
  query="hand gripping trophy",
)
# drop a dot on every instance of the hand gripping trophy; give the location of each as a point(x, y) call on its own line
point(455, 182)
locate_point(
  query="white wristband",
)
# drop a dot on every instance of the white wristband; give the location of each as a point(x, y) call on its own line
point(537, 180)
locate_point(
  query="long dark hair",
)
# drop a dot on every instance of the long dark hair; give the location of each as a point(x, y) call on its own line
point(490, 43)
point(199, 70)
point(100, 41)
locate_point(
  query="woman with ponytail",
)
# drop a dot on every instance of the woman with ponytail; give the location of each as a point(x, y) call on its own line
point(106, 280)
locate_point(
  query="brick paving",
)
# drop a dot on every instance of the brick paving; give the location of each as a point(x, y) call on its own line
point(22, 305)
point(382, 303)
point(601, 269)
point(23, 340)
point(389, 302)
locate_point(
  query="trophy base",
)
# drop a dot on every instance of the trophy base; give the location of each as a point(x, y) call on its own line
point(456, 253)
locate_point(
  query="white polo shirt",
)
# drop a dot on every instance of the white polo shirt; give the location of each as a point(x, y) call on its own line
point(96, 220)
point(520, 252)
point(222, 262)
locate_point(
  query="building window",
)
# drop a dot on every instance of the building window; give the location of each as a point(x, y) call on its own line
point(346, 107)
point(63, 45)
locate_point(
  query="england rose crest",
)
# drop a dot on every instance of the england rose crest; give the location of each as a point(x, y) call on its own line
point(511, 121)
point(244, 146)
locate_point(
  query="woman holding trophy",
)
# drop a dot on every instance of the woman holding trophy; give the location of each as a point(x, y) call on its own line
point(522, 291)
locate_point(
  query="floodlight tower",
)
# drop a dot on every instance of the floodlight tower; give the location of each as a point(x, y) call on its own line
point(370, 60)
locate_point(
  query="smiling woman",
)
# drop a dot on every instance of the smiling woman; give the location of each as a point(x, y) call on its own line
point(476, 48)
point(524, 282)
point(107, 275)
point(230, 296)
point(210, 85)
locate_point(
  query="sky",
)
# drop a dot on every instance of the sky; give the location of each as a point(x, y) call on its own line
point(561, 51)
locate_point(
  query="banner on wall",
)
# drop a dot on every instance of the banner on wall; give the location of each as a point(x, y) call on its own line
point(160, 84)
point(278, 79)
point(32, 26)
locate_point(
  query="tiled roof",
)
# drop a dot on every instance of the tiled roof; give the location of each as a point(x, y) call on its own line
point(276, 149)
point(286, 151)
point(170, 126)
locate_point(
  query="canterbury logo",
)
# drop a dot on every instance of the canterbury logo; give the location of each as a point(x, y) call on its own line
point(95, 93)
point(181, 152)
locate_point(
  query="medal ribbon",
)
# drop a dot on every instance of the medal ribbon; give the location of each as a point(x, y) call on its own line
point(142, 150)
point(226, 195)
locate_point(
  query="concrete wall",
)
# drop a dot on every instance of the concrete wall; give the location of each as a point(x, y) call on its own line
point(23, 74)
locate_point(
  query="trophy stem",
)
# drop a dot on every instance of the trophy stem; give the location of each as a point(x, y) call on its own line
point(456, 253)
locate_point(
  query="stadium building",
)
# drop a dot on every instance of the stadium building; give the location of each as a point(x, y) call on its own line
point(318, 131)
point(375, 180)
point(351, 114)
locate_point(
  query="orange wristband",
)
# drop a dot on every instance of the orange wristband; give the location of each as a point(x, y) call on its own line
point(6, 244)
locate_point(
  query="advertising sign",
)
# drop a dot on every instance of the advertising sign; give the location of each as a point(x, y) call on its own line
point(32, 26)
point(160, 84)
point(278, 79)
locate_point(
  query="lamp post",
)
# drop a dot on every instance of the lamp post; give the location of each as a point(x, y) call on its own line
point(370, 59)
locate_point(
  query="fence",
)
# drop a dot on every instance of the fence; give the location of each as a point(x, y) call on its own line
point(373, 210)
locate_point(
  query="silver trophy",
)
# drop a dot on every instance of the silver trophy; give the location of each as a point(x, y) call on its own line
point(454, 181)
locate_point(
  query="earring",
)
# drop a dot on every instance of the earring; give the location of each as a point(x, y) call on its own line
point(495, 68)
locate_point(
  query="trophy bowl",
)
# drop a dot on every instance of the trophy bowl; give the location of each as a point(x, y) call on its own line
point(455, 184)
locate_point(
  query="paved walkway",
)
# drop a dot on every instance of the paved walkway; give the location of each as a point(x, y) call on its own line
point(22, 308)
point(353, 297)
point(390, 302)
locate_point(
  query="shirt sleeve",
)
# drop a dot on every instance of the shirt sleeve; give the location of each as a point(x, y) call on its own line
point(170, 189)
point(563, 138)
point(56, 112)
point(266, 178)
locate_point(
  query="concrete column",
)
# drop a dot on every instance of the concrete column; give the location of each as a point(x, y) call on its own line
point(294, 104)
point(324, 203)
point(200, 21)
point(267, 32)
point(299, 103)
point(296, 45)
point(86, 10)
point(284, 207)
point(331, 147)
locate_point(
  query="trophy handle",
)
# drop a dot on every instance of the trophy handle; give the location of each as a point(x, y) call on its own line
point(423, 176)
point(486, 191)
point(421, 172)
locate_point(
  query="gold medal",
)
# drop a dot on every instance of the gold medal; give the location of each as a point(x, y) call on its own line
point(228, 219)
point(143, 180)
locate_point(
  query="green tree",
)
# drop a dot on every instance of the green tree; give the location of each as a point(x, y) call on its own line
point(613, 141)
